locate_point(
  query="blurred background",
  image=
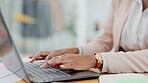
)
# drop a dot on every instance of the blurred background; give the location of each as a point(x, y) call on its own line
point(37, 25)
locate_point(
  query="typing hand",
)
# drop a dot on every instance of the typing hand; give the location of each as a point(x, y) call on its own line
point(47, 55)
point(72, 61)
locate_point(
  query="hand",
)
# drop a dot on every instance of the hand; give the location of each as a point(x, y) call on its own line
point(47, 55)
point(72, 61)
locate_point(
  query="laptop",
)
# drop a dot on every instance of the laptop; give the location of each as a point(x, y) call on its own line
point(31, 72)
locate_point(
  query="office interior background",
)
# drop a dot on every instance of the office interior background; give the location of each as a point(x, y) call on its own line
point(45, 25)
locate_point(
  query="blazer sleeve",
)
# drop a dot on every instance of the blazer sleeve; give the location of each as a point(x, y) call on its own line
point(122, 62)
point(103, 42)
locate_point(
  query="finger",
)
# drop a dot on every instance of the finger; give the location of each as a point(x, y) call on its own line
point(45, 65)
point(35, 57)
point(41, 58)
point(55, 53)
point(67, 66)
point(41, 53)
point(30, 56)
point(50, 56)
point(57, 65)
point(58, 60)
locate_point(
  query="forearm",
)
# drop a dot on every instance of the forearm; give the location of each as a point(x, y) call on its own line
point(122, 62)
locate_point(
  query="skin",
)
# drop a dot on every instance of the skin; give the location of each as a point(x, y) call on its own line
point(72, 61)
point(67, 58)
point(47, 55)
point(145, 4)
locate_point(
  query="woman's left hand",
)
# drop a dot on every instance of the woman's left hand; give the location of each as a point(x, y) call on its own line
point(73, 61)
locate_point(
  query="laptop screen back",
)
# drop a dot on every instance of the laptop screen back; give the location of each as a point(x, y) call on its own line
point(8, 53)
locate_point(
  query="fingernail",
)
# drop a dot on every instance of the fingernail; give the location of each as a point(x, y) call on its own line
point(30, 57)
point(42, 66)
point(62, 66)
point(31, 61)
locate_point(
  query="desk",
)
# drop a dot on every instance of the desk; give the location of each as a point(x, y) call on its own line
point(81, 81)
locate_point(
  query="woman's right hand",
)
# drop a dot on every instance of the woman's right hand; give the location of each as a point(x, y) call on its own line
point(47, 55)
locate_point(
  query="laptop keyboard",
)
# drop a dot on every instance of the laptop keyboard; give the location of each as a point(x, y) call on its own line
point(34, 71)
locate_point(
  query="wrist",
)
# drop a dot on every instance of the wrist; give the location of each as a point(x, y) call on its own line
point(75, 50)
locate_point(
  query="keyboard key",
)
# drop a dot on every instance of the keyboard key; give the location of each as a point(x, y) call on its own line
point(50, 72)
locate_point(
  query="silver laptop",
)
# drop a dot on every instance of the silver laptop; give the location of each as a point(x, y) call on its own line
point(30, 72)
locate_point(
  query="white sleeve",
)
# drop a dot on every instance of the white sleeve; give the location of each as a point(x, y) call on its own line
point(105, 65)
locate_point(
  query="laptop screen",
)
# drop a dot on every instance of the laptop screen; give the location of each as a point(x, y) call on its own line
point(8, 53)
